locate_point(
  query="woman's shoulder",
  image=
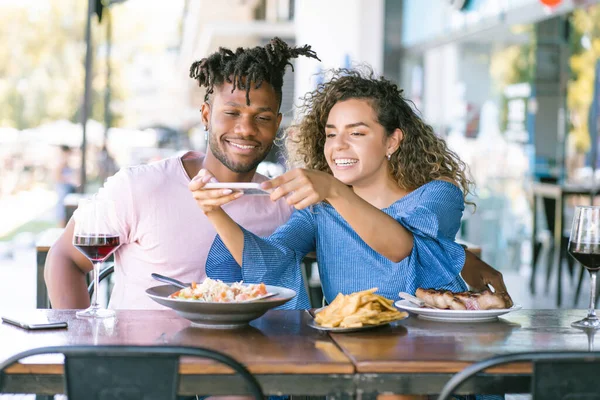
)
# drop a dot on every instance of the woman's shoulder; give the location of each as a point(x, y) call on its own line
point(437, 191)
point(443, 187)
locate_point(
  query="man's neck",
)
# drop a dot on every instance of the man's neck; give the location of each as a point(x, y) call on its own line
point(222, 173)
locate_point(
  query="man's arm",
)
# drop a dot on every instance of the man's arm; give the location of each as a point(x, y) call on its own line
point(479, 274)
point(65, 272)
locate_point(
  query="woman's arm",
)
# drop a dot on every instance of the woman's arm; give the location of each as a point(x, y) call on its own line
point(295, 237)
point(274, 260)
point(230, 233)
point(381, 232)
point(210, 201)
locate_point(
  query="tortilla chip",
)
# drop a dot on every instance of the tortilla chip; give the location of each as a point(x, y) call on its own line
point(358, 309)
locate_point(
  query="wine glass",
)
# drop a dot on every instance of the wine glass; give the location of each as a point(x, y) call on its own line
point(95, 237)
point(590, 333)
point(584, 246)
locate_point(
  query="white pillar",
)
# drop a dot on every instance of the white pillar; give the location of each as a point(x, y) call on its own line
point(342, 32)
point(444, 97)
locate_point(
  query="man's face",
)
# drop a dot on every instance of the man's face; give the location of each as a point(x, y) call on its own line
point(241, 135)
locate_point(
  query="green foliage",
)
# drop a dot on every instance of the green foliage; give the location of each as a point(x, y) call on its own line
point(584, 22)
point(34, 226)
point(42, 70)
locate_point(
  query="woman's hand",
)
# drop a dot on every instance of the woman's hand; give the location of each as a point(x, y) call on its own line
point(210, 200)
point(480, 275)
point(304, 187)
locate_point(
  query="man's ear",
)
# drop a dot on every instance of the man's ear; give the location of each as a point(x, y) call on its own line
point(394, 141)
point(205, 112)
point(279, 117)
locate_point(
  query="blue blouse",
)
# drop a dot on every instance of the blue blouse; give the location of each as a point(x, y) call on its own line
point(346, 263)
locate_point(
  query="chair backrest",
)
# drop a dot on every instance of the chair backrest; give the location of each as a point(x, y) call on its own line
point(556, 375)
point(129, 372)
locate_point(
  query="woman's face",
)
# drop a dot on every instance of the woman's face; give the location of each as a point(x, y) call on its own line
point(356, 144)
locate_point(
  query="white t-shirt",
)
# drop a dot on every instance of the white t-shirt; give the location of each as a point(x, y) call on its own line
point(163, 230)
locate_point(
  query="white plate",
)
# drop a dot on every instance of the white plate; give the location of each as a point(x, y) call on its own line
point(454, 315)
point(314, 325)
point(246, 187)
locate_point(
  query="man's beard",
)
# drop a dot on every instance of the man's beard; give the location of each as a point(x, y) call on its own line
point(239, 167)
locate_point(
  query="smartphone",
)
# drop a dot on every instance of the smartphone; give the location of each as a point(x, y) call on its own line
point(248, 188)
point(35, 325)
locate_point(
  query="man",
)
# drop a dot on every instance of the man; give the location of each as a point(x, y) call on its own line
point(160, 227)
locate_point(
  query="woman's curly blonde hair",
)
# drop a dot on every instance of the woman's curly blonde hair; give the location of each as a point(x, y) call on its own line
point(422, 155)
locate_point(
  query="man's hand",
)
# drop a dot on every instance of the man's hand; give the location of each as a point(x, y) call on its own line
point(303, 187)
point(210, 200)
point(480, 275)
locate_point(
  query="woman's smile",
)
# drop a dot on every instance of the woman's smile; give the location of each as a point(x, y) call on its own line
point(344, 163)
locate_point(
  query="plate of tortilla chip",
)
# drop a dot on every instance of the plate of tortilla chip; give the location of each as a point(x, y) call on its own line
point(356, 312)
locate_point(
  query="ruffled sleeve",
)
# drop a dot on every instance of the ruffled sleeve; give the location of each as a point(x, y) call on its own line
point(274, 260)
point(435, 257)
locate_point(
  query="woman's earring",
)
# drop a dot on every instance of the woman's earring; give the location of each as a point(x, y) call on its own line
point(389, 157)
point(206, 133)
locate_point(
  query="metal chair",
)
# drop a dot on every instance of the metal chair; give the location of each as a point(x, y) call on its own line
point(556, 375)
point(128, 372)
point(103, 274)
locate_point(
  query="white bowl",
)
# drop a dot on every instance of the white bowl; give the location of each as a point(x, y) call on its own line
point(219, 315)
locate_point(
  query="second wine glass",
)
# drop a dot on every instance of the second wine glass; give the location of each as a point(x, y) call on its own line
point(95, 237)
point(584, 246)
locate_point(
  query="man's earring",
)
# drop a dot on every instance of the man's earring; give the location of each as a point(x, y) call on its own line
point(206, 133)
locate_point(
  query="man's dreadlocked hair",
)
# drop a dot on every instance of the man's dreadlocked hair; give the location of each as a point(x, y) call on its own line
point(245, 66)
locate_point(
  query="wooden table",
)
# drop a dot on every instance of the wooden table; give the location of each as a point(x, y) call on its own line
point(280, 349)
point(410, 356)
point(418, 356)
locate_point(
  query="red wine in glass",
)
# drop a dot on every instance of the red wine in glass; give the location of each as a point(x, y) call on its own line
point(96, 247)
point(587, 254)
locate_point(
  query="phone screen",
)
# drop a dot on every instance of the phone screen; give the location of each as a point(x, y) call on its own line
point(35, 324)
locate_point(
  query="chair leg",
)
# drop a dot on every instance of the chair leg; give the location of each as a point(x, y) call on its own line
point(550, 267)
point(564, 243)
point(562, 254)
point(559, 275)
point(571, 264)
point(579, 282)
point(536, 253)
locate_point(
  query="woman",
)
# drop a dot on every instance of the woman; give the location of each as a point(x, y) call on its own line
point(380, 200)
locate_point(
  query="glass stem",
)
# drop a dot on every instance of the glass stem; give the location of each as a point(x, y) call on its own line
point(591, 311)
point(97, 282)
